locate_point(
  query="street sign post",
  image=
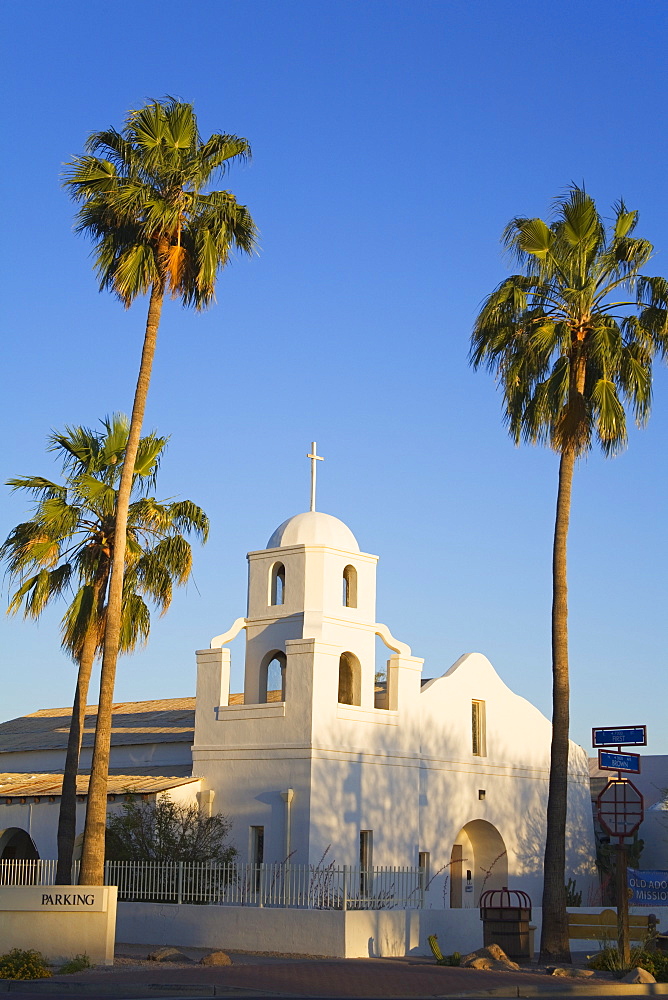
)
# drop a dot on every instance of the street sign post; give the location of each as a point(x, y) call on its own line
point(620, 812)
point(609, 736)
point(610, 761)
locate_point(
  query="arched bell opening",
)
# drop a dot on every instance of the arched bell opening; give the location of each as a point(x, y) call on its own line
point(350, 587)
point(272, 676)
point(277, 584)
point(350, 680)
point(479, 861)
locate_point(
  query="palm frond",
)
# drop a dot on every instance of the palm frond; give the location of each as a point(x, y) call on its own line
point(562, 338)
point(143, 204)
point(610, 420)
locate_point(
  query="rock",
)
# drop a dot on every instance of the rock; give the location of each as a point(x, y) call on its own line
point(638, 976)
point(569, 973)
point(493, 956)
point(168, 955)
point(488, 964)
point(216, 958)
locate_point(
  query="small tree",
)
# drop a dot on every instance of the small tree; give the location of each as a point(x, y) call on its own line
point(166, 831)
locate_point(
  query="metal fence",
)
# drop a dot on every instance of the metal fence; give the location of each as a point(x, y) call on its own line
point(302, 886)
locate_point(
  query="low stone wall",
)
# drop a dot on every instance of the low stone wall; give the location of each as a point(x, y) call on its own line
point(333, 933)
point(247, 928)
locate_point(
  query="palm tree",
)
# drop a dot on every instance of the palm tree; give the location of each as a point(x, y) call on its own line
point(156, 228)
point(69, 543)
point(571, 341)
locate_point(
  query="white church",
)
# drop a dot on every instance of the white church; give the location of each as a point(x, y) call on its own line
point(327, 752)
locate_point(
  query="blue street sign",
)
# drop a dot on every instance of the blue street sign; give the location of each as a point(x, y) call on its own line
point(609, 761)
point(635, 736)
point(647, 888)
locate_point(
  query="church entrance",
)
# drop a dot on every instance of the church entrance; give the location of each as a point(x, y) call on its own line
point(17, 845)
point(478, 862)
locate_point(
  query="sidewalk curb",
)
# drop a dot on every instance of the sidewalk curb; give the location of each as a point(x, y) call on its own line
point(562, 989)
point(178, 991)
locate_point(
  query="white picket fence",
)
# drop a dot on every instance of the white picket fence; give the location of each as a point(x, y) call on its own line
point(303, 886)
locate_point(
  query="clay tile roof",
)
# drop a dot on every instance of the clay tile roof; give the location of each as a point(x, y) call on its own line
point(30, 785)
point(167, 720)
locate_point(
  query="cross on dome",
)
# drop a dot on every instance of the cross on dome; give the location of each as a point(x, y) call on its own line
point(314, 458)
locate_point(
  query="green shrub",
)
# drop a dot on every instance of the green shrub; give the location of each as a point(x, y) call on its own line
point(655, 962)
point(76, 964)
point(609, 960)
point(18, 964)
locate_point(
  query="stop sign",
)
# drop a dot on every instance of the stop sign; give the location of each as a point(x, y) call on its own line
point(620, 808)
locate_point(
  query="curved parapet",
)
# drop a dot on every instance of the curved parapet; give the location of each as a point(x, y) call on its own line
point(397, 647)
point(219, 640)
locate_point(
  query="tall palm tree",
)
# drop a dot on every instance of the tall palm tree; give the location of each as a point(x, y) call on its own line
point(156, 227)
point(571, 341)
point(69, 544)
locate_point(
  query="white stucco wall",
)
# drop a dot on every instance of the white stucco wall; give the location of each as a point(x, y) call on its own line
point(59, 921)
point(332, 933)
point(654, 833)
point(409, 775)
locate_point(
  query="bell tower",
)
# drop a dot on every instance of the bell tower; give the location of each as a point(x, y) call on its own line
point(311, 582)
point(310, 652)
point(312, 724)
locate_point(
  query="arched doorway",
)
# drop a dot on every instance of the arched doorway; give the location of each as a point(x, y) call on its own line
point(16, 843)
point(478, 862)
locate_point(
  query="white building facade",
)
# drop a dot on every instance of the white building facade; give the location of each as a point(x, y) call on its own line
point(333, 758)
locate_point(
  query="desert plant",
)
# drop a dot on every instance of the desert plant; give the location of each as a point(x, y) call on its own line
point(454, 959)
point(76, 964)
point(609, 960)
point(20, 964)
point(573, 897)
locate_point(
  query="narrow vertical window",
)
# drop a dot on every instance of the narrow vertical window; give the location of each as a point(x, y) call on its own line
point(350, 587)
point(277, 585)
point(366, 861)
point(423, 863)
point(456, 864)
point(257, 852)
point(478, 734)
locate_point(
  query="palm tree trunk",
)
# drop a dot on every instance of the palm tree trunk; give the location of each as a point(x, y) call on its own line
point(554, 946)
point(67, 817)
point(92, 860)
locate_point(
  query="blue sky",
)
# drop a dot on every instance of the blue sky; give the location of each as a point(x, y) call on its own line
point(392, 142)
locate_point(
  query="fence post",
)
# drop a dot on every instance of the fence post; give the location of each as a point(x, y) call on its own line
point(423, 879)
point(179, 889)
point(262, 882)
point(345, 887)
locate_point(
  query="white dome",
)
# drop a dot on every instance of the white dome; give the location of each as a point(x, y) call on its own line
point(314, 528)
